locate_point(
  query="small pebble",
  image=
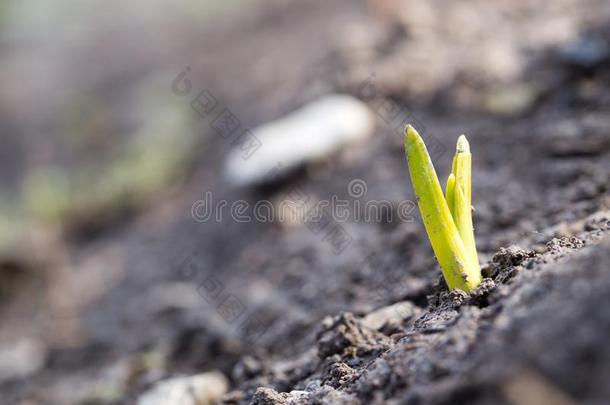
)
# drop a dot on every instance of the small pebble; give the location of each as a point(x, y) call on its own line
point(308, 134)
point(201, 389)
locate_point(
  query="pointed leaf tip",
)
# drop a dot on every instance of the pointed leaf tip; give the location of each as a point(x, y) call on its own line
point(462, 145)
point(411, 137)
point(410, 131)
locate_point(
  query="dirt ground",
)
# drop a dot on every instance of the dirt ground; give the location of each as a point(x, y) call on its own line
point(111, 304)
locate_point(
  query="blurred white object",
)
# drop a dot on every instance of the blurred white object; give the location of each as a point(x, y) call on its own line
point(201, 389)
point(396, 313)
point(309, 133)
point(22, 358)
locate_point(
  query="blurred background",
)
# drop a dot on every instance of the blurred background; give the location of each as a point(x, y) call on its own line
point(118, 119)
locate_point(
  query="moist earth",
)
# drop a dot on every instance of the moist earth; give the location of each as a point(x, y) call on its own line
point(370, 321)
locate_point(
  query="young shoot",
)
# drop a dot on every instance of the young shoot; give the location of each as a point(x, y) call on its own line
point(447, 218)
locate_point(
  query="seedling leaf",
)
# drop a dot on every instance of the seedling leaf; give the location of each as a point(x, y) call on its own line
point(450, 194)
point(457, 263)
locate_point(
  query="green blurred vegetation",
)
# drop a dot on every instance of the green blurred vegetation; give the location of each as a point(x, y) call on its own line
point(104, 159)
point(153, 157)
point(147, 162)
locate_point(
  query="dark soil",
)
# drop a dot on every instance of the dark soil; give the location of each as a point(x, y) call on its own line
point(142, 303)
point(533, 326)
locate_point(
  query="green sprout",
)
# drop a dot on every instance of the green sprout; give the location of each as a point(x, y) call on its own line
point(447, 218)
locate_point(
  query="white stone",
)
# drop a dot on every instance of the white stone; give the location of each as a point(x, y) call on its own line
point(397, 312)
point(22, 358)
point(309, 133)
point(201, 389)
